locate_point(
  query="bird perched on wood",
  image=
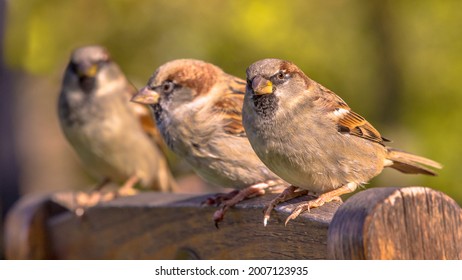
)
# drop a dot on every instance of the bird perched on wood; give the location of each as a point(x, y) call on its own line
point(198, 107)
point(114, 138)
point(311, 138)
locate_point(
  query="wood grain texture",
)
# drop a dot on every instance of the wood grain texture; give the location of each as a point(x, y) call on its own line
point(174, 226)
point(397, 223)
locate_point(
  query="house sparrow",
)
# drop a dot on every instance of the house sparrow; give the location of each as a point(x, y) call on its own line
point(309, 136)
point(198, 107)
point(114, 138)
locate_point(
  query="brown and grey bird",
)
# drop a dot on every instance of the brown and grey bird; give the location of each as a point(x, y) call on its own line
point(198, 108)
point(114, 138)
point(311, 138)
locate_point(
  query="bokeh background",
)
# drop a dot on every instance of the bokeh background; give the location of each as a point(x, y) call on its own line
point(398, 63)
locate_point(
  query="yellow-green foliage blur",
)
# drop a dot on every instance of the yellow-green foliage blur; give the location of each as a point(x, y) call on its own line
point(397, 63)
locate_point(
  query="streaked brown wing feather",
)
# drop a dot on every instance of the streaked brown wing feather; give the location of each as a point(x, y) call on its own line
point(230, 105)
point(358, 126)
point(347, 120)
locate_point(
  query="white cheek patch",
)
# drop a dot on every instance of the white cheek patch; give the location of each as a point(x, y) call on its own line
point(340, 112)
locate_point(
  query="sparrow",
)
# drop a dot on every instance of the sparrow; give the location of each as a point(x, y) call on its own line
point(197, 108)
point(114, 138)
point(311, 138)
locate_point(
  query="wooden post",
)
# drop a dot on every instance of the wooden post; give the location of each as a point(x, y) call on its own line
point(397, 223)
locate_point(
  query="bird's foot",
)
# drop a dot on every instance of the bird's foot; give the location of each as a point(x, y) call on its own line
point(219, 198)
point(306, 206)
point(252, 191)
point(288, 194)
point(128, 188)
point(85, 200)
point(333, 195)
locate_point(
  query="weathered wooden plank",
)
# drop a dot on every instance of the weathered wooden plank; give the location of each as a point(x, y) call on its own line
point(168, 226)
point(397, 223)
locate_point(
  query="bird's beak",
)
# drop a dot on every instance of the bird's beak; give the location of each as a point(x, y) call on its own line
point(262, 86)
point(146, 96)
point(87, 70)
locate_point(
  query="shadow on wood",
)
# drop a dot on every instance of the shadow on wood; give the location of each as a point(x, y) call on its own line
point(379, 223)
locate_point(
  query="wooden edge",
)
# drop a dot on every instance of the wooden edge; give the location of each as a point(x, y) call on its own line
point(181, 200)
point(397, 223)
point(163, 226)
point(25, 227)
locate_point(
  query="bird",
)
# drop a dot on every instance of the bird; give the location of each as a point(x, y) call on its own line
point(311, 138)
point(197, 107)
point(116, 140)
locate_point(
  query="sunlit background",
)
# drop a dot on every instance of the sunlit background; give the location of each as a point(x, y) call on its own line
point(397, 63)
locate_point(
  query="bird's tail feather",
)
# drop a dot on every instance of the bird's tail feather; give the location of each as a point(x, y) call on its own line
point(413, 164)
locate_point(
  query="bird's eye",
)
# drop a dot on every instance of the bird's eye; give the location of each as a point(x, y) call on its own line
point(168, 86)
point(280, 75)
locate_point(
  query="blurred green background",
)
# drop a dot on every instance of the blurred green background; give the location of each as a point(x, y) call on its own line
point(397, 63)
